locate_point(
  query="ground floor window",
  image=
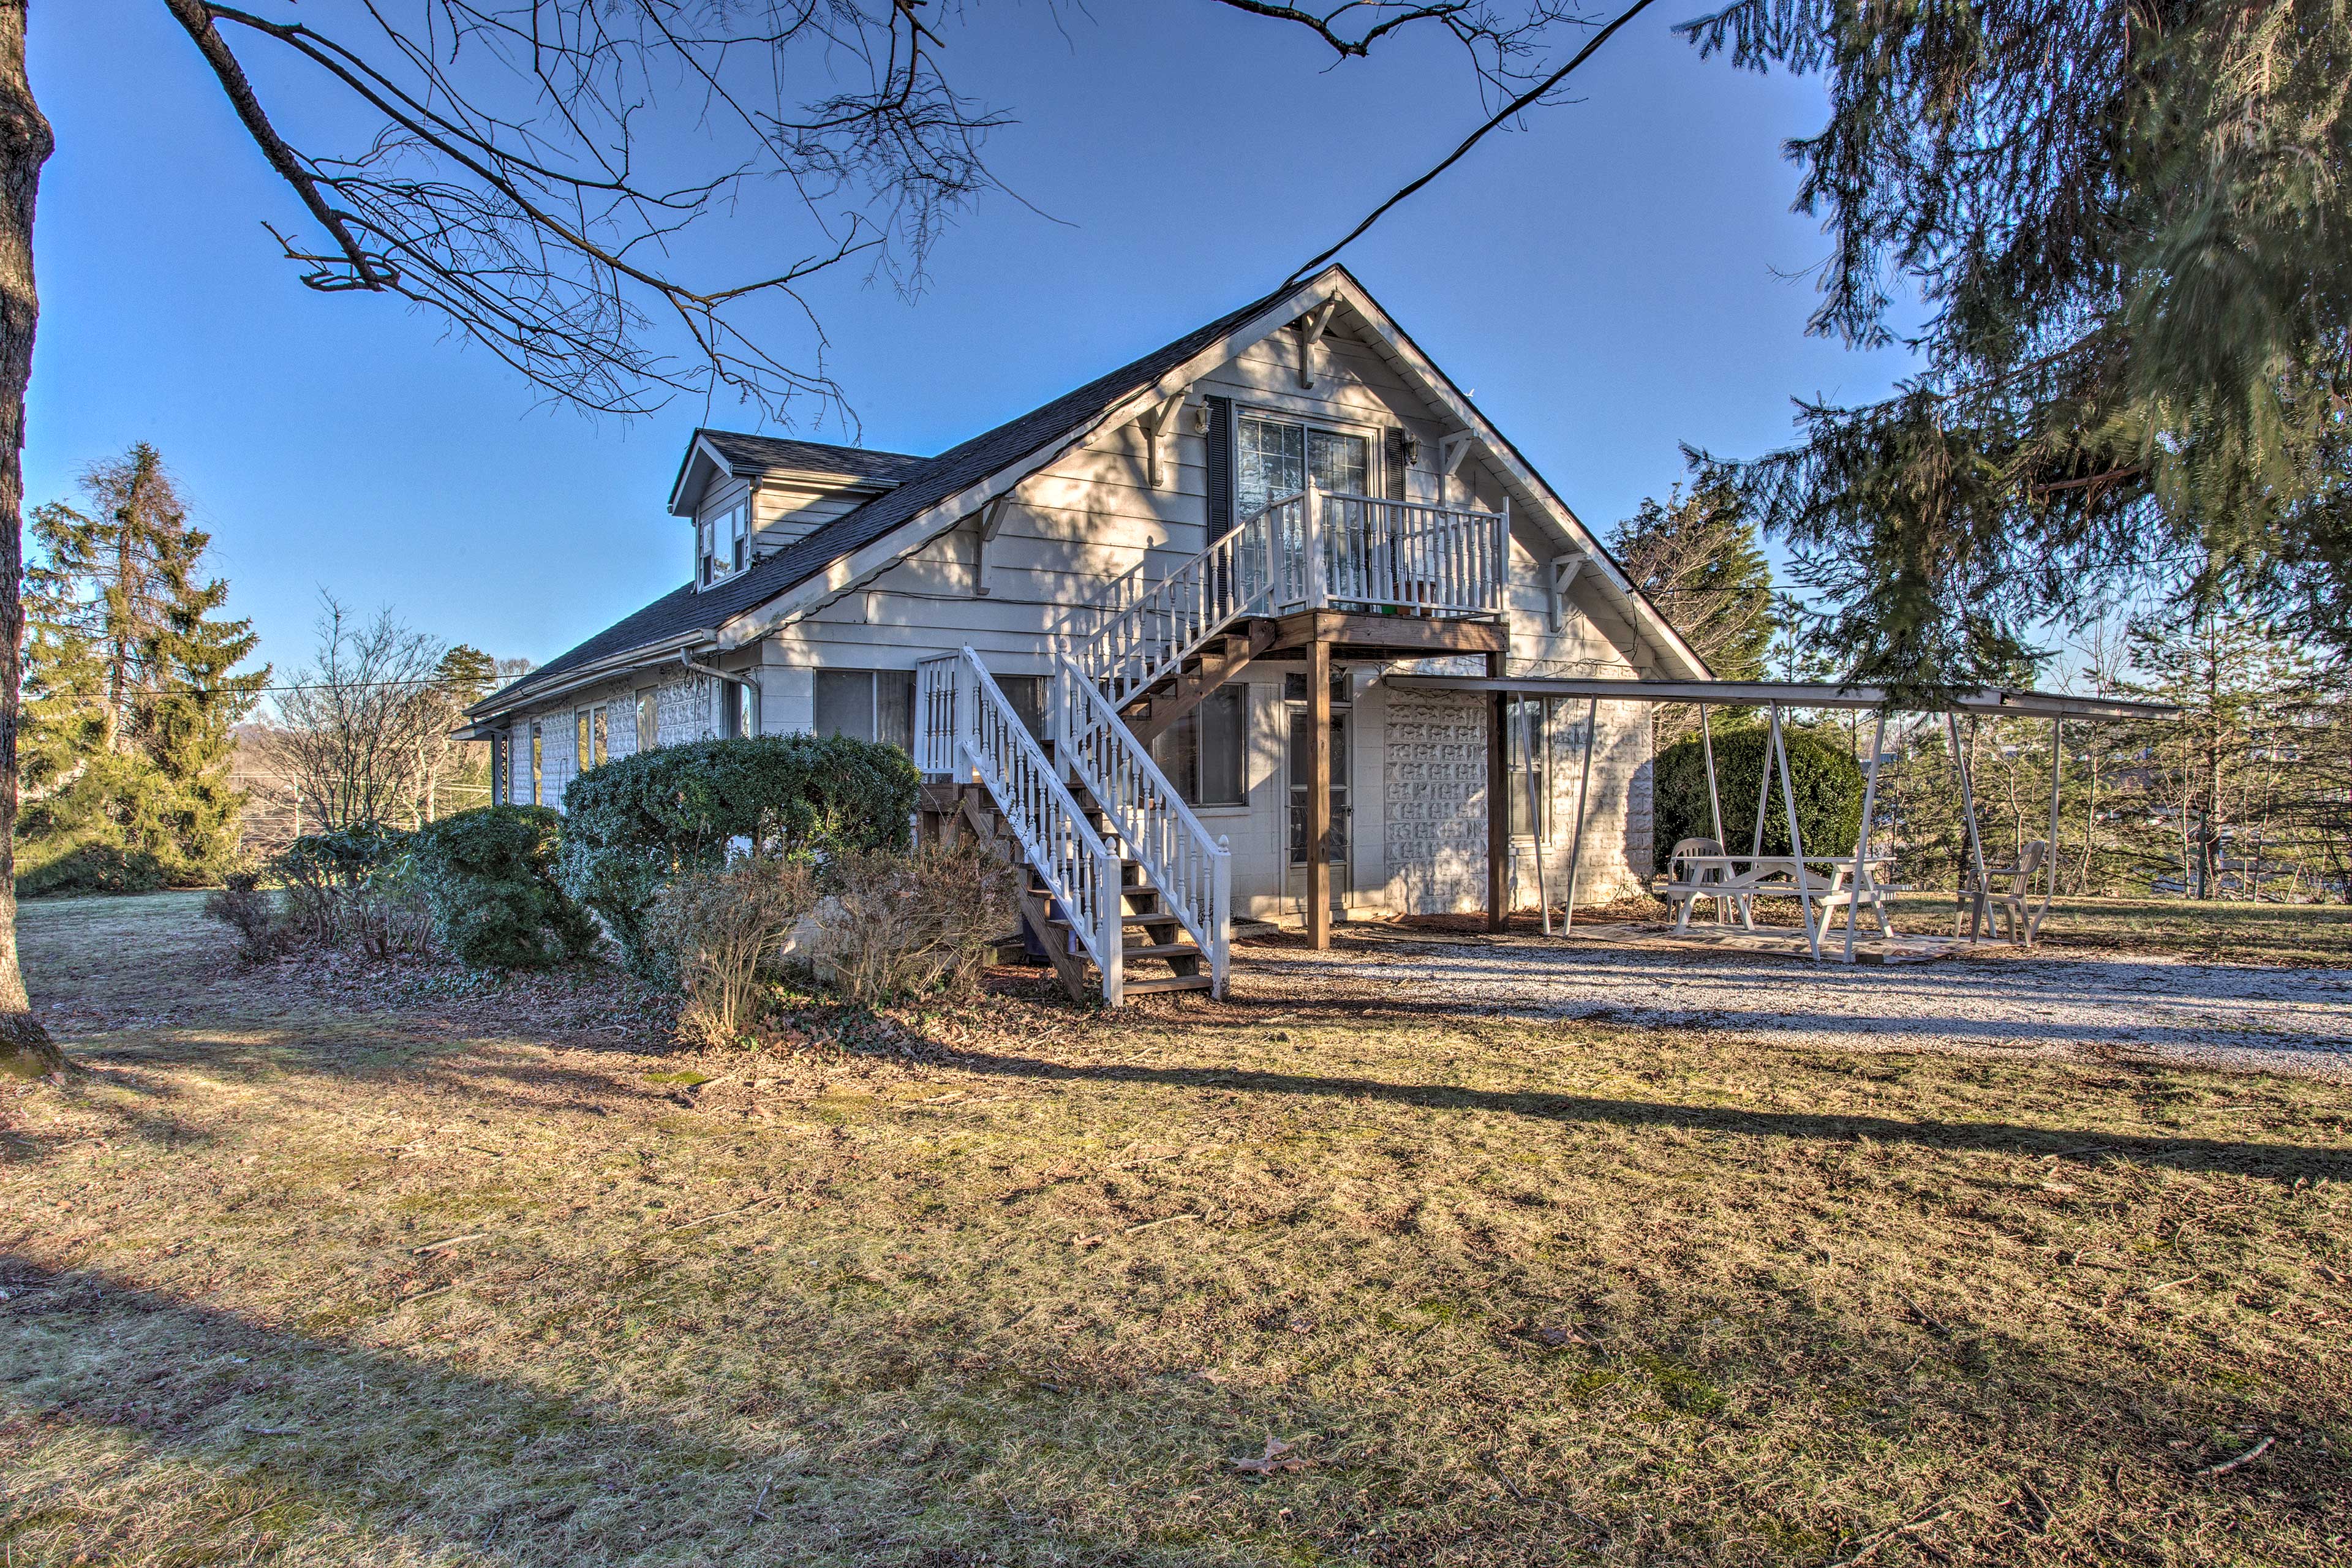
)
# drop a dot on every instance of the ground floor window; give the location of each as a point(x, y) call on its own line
point(867, 705)
point(589, 738)
point(738, 709)
point(649, 719)
point(535, 799)
point(1527, 736)
point(1204, 754)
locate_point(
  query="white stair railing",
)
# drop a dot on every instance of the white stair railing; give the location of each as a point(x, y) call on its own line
point(1177, 616)
point(1192, 869)
point(970, 726)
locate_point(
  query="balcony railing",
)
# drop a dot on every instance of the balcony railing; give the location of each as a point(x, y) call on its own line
point(1310, 549)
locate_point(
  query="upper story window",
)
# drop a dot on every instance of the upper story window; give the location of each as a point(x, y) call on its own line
point(1274, 456)
point(722, 544)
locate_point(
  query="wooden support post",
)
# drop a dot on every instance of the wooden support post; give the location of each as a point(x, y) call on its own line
point(1498, 802)
point(1319, 795)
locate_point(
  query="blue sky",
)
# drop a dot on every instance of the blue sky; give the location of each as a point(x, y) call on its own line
point(1622, 277)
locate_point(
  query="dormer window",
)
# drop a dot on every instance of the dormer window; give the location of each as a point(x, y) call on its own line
point(722, 544)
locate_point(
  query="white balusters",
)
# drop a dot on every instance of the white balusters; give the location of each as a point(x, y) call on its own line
point(983, 735)
point(1191, 871)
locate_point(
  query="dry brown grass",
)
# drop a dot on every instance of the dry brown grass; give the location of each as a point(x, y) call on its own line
point(350, 1276)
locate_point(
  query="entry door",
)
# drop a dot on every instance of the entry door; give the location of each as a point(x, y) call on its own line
point(1301, 766)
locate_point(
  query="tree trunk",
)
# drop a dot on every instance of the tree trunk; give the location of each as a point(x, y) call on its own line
point(26, 1048)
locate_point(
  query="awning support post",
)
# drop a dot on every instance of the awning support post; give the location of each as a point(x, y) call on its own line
point(1532, 712)
point(1714, 800)
point(1796, 836)
point(2050, 890)
point(1975, 844)
point(1584, 788)
point(1862, 881)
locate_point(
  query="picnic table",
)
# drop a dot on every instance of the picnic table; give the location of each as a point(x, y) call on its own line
point(1818, 882)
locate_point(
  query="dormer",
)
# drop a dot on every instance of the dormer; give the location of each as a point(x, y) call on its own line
point(749, 496)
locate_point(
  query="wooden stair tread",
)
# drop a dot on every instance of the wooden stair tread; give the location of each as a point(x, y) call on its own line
point(1170, 983)
point(1163, 949)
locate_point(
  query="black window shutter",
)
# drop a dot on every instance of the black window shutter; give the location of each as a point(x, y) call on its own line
point(1394, 448)
point(1221, 467)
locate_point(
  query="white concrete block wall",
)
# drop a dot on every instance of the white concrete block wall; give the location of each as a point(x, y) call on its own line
point(686, 710)
point(1436, 833)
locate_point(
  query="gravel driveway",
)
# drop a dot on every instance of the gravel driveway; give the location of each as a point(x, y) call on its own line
point(2211, 1014)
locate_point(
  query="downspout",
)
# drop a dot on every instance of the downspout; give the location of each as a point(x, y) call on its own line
point(686, 657)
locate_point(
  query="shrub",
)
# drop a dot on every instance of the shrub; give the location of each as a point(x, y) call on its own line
point(632, 824)
point(244, 905)
point(90, 867)
point(490, 878)
point(1825, 778)
point(899, 924)
point(718, 931)
point(354, 888)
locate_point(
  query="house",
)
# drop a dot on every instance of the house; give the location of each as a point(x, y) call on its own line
point(1142, 637)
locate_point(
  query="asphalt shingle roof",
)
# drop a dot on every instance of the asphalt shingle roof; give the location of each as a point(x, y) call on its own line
point(742, 451)
point(922, 483)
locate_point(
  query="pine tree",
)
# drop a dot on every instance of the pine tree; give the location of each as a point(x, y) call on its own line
point(132, 690)
point(2119, 228)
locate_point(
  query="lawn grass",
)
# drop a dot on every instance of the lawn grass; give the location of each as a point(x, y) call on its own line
point(329, 1270)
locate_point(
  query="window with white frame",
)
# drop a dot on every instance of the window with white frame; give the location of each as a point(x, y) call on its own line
point(589, 739)
point(1273, 457)
point(867, 705)
point(1206, 753)
point(722, 544)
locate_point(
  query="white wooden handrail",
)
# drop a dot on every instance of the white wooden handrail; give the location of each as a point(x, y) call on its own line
point(1176, 617)
point(968, 721)
point(1192, 869)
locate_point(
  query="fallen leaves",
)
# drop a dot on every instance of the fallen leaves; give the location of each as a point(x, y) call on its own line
point(1280, 1457)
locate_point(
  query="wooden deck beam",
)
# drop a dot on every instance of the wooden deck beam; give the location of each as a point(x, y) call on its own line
point(1358, 635)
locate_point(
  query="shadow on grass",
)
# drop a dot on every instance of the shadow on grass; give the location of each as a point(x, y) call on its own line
point(169, 1426)
point(2273, 1161)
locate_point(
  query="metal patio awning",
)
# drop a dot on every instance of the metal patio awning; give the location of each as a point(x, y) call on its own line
point(2003, 701)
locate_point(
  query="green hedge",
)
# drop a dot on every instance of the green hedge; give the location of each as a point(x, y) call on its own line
point(489, 876)
point(1826, 779)
point(631, 823)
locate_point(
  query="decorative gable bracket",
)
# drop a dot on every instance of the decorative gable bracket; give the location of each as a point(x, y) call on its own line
point(1157, 421)
point(1311, 327)
point(1564, 569)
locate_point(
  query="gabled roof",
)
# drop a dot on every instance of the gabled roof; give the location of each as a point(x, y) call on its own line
point(745, 456)
point(932, 494)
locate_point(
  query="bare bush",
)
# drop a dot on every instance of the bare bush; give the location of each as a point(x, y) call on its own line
point(899, 925)
point(251, 910)
point(719, 931)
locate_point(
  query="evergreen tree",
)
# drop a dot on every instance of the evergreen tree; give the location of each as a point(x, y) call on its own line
point(2125, 221)
point(131, 688)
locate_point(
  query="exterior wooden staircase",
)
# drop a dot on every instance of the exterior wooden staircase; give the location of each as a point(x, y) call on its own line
point(1150, 935)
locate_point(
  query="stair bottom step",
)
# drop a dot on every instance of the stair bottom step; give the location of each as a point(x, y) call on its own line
point(1169, 982)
